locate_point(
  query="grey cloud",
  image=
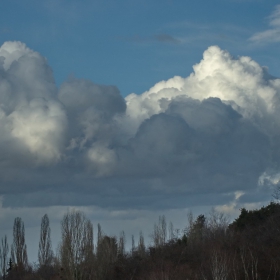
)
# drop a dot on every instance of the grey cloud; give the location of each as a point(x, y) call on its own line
point(90, 108)
point(207, 135)
point(32, 118)
point(161, 144)
point(196, 146)
point(80, 94)
point(92, 131)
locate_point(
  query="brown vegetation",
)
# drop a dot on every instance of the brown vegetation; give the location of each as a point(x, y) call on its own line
point(209, 248)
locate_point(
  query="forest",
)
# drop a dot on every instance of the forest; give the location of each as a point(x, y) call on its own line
point(208, 248)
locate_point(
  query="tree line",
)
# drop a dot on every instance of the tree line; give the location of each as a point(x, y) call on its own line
point(209, 248)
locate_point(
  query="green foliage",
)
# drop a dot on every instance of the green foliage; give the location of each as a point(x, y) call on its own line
point(197, 228)
point(253, 218)
point(183, 240)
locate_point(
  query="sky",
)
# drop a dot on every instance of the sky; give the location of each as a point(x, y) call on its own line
point(128, 110)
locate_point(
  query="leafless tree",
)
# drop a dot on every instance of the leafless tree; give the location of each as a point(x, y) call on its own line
point(171, 231)
point(141, 245)
point(99, 237)
point(45, 253)
point(160, 232)
point(249, 263)
point(217, 222)
point(219, 266)
point(77, 244)
point(109, 248)
point(4, 251)
point(132, 244)
point(18, 249)
point(121, 244)
point(106, 256)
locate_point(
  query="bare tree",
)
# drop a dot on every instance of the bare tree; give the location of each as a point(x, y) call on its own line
point(109, 248)
point(219, 266)
point(4, 251)
point(132, 244)
point(163, 230)
point(18, 249)
point(121, 244)
point(77, 244)
point(106, 256)
point(141, 245)
point(99, 237)
point(189, 226)
point(249, 263)
point(160, 232)
point(88, 244)
point(217, 222)
point(45, 253)
point(171, 231)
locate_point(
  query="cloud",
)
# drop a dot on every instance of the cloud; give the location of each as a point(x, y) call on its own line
point(32, 119)
point(269, 178)
point(271, 35)
point(162, 38)
point(241, 82)
point(192, 141)
point(166, 38)
point(91, 110)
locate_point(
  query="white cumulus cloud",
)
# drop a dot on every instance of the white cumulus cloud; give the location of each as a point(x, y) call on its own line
point(32, 115)
point(240, 82)
point(185, 140)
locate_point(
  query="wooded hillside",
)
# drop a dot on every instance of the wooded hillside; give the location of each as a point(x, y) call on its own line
point(208, 248)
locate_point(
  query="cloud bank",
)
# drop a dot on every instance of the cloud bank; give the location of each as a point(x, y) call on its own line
point(186, 141)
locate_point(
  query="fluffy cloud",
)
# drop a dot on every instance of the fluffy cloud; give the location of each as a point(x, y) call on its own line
point(31, 116)
point(195, 140)
point(242, 83)
point(91, 110)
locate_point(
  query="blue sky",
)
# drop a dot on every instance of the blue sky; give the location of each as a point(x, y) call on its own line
point(201, 130)
point(134, 44)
